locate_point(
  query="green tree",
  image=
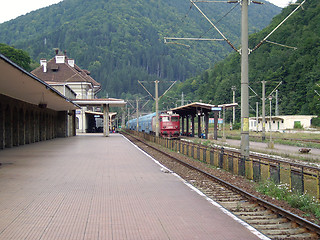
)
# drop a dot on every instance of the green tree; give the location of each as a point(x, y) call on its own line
point(17, 56)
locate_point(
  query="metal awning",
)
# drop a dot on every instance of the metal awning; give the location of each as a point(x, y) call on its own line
point(112, 102)
point(273, 118)
point(112, 115)
point(196, 107)
point(17, 83)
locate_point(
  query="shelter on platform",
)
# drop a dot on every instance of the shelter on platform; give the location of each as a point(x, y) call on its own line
point(200, 110)
point(105, 104)
point(30, 109)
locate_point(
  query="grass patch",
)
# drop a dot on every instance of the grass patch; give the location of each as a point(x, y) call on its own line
point(303, 202)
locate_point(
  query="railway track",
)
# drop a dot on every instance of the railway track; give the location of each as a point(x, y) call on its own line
point(288, 139)
point(274, 222)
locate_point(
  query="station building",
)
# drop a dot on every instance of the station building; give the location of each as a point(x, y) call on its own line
point(64, 75)
point(68, 78)
point(30, 109)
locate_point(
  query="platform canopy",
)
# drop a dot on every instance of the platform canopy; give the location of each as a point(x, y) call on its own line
point(17, 83)
point(200, 109)
point(197, 108)
point(112, 102)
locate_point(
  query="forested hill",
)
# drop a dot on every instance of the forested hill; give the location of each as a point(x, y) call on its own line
point(121, 41)
point(299, 70)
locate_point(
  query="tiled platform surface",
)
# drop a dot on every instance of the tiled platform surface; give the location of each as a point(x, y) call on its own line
point(92, 187)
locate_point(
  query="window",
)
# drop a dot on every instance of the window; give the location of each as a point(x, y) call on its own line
point(175, 119)
point(164, 119)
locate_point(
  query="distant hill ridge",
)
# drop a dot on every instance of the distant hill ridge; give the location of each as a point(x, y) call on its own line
point(121, 42)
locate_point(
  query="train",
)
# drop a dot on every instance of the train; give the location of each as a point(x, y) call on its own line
point(169, 126)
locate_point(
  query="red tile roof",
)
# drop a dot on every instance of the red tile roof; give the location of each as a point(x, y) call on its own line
point(63, 72)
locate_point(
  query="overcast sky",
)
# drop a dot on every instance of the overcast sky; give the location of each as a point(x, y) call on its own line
point(11, 9)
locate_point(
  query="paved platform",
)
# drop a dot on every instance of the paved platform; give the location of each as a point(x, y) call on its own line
point(93, 187)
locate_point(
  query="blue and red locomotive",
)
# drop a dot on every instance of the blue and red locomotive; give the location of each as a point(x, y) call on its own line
point(169, 124)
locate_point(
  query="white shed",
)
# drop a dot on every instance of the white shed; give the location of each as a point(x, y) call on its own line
point(280, 123)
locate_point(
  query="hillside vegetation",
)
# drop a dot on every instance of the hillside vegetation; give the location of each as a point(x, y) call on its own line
point(17, 56)
point(299, 70)
point(121, 41)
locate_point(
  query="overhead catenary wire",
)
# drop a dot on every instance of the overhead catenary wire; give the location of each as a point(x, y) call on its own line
point(184, 17)
point(279, 25)
point(213, 25)
point(216, 22)
point(282, 45)
point(195, 39)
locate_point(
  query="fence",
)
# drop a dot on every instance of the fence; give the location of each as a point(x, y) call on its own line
point(300, 178)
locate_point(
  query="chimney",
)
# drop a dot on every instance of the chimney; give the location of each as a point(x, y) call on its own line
point(43, 62)
point(71, 62)
point(60, 59)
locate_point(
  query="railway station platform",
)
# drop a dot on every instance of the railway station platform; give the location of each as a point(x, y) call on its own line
point(91, 187)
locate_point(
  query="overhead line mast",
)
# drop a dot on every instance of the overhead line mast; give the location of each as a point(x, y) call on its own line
point(244, 52)
point(156, 98)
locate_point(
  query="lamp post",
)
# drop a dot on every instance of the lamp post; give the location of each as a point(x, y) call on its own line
point(271, 144)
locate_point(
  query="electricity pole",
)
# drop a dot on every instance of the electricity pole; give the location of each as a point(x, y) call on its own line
point(182, 99)
point(245, 51)
point(263, 110)
point(277, 104)
point(156, 98)
point(244, 81)
point(137, 114)
point(233, 88)
point(257, 116)
point(271, 145)
point(157, 108)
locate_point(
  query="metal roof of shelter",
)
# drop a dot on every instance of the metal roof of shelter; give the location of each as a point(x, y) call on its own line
point(267, 118)
point(112, 102)
point(17, 83)
point(193, 108)
point(112, 114)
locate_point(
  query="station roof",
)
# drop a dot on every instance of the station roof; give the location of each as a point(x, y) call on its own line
point(62, 71)
point(17, 83)
point(194, 108)
point(112, 102)
point(111, 114)
point(267, 118)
